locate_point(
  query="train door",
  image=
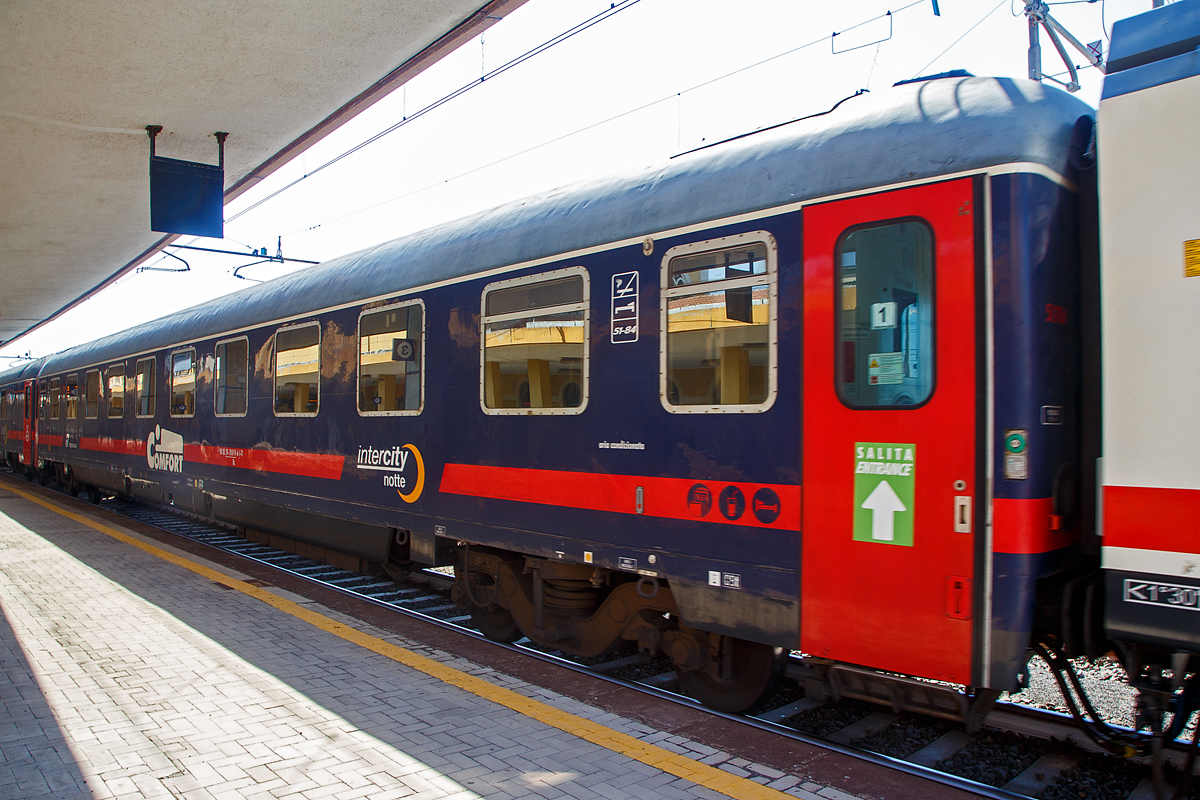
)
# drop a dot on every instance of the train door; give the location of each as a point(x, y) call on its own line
point(29, 422)
point(890, 424)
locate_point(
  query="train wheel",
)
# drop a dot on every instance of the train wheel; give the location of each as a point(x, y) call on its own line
point(739, 676)
point(479, 590)
point(496, 623)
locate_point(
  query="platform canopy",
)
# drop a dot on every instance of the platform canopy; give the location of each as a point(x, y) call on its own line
point(80, 81)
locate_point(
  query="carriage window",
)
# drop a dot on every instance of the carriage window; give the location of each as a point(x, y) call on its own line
point(390, 355)
point(116, 391)
point(145, 387)
point(71, 392)
point(535, 344)
point(93, 395)
point(719, 348)
point(183, 383)
point(55, 394)
point(231, 373)
point(297, 370)
point(885, 333)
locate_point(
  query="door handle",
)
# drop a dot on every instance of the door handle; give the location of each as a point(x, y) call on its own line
point(962, 513)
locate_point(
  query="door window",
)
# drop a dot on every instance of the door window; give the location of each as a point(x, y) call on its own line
point(884, 355)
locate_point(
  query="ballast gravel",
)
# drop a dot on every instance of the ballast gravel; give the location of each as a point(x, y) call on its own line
point(995, 758)
point(905, 736)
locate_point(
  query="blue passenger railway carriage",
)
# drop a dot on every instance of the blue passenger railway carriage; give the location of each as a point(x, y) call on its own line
point(814, 389)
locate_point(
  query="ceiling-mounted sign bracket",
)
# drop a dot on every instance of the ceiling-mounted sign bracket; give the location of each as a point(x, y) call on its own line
point(187, 196)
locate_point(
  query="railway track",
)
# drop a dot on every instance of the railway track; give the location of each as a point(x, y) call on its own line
point(1023, 752)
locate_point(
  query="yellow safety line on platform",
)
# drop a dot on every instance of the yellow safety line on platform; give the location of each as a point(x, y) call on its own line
point(673, 763)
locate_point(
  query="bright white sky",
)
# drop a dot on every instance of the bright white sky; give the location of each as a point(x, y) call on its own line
point(618, 95)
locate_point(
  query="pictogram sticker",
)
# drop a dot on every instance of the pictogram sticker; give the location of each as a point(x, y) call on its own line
point(884, 479)
point(699, 500)
point(624, 308)
point(765, 506)
point(731, 502)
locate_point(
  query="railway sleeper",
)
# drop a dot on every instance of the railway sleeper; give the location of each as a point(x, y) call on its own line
point(824, 679)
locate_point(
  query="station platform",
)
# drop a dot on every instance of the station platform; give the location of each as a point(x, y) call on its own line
point(133, 668)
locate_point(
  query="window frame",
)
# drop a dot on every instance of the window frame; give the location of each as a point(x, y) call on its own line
point(585, 305)
point(55, 397)
point(217, 383)
point(275, 370)
point(108, 394)
point(667, 292)
point(837, 296)
point(171, 382)
point(137, 407)
point(358, 358)
point(70, 392)
point(87, 379)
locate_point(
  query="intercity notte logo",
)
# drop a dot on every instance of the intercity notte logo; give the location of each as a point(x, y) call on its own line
point(164, 450)
point(403, 472)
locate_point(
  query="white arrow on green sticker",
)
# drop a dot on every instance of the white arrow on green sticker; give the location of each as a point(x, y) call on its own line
point(883, 503)
point(884, 490)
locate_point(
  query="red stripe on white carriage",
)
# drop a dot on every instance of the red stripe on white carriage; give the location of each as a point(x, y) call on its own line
point(661, 497)
point(1149, 518)
point(313, 465)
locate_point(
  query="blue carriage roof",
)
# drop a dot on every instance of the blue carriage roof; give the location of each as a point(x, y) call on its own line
point(21, 372)
point(910, 132)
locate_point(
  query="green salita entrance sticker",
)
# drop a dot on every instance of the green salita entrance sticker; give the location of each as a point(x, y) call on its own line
point(883, 492)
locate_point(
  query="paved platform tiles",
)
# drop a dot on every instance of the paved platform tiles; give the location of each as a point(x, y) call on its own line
point(124, 675)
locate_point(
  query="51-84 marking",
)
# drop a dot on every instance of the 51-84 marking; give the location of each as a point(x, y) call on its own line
point(624, 308)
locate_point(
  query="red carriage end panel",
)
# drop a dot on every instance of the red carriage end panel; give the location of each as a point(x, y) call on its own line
point(890, 431)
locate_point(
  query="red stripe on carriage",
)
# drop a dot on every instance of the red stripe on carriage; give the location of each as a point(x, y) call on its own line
point(107, 444)
point(754, 504)
point(1152, 519)
point(1023, 527)
point(50, 440)
point(313, 465)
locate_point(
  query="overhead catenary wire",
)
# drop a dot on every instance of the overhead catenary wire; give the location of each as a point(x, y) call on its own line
point(608, 13)
point(982, 19)
point(674, 96)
